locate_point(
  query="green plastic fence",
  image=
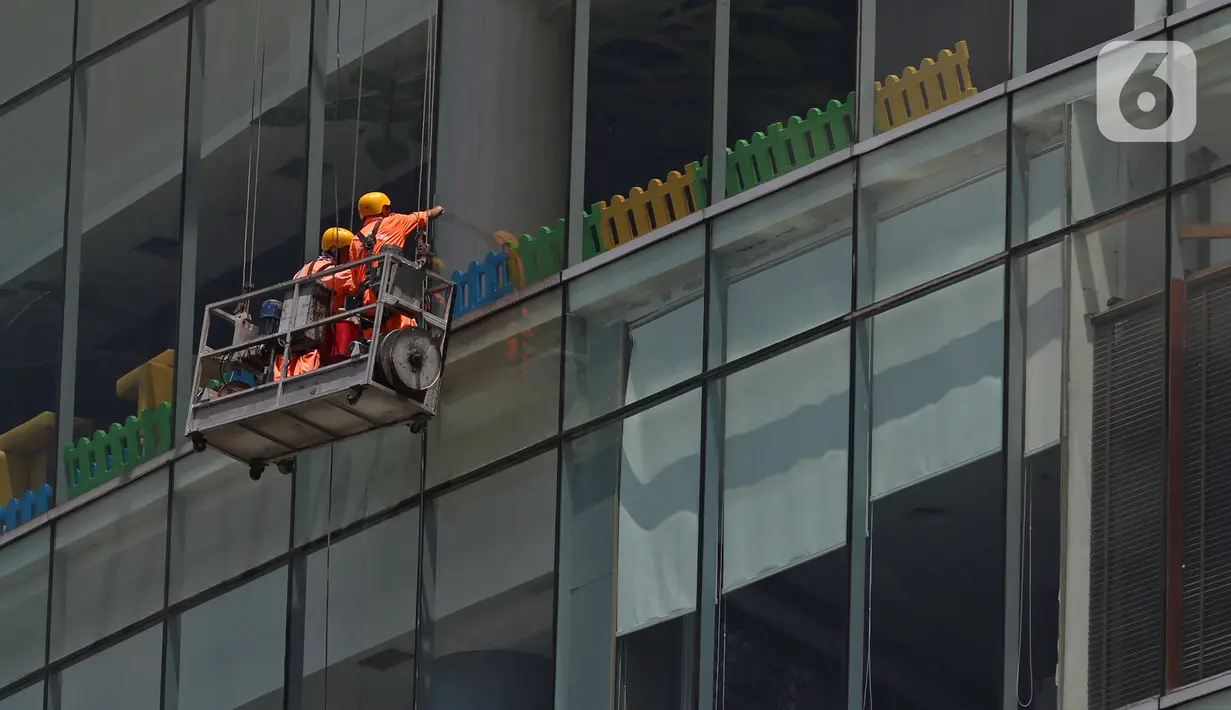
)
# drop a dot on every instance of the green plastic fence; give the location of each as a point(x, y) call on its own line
point(766, 155)
point(92, 462)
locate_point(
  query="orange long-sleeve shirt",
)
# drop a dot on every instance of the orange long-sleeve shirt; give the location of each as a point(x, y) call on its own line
point(394, 229)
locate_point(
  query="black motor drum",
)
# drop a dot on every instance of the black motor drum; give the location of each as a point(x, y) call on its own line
point(409, 362)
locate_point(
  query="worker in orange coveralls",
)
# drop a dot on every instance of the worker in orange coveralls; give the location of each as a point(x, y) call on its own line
point(382, 228)
point(335, 249)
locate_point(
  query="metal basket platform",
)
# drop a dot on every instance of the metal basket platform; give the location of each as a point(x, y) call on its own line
point(279, 418)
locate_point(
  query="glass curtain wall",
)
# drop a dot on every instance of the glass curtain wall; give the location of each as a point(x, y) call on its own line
point(758, 495)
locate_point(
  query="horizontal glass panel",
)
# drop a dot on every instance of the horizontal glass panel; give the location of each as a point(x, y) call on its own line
point(127, 676)
point(634, 327)
point(502, 389)
point(782, 264)
point(1064, 169)
point(110, 564)
point(24, 568)
point(932, 203)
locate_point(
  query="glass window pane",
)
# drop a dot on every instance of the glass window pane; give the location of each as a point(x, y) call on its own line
point(1201, 242)
point(24, 566)
point(126, 676)
point(502, 392)
point(130, 211)
point(788, 61)
point(782, 265)
point(937, 367)
point(650, 463)
point(586, 578)
point(27, 63)
point(35, 136)
point(30, 698)
point(1205, 149)
point(488, 590)
point(101, 22)
point(110, 560)
point(784, 568)
point(122, 677)
point(359, 639)
point(957, 50)
point(1115, 461)
point(254, 95)
point(1046, 31)
point(1064, 169)
point(355, 479)
point(223, 523)
point(649, 106)
point(937, 514)
point(1039, 277)
point(659, 494)
point(376, 136)
point(511, 60)
point(1201, 252)
point(239, 638)
point(784, 458)
point(635, 327)
point(935, 202)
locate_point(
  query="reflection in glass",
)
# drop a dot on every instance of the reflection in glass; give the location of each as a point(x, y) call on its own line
point(635, 327)
point(224, 523)
point(30, 698)
point(503, 389)
point(506, 87)
point(110, 564)
point(782, 264)
point(352, 480)
point(1064, 169)
point(130, 211)
point(935, 202)
point(1201, 254)
point(650, 464)
point(936, 520)
point(24, 566)
point(253, 133)
point(239, 637)
point(1046, 31)
point(27, 63)
point(786, 60)
point(126, 676)
point(35, 136)
point(1037, 340)
point(1114, 460)
point(1206, 148)
point(784, 568)
point(376, 136)
point(648, 113)
point(359, 639)
point(488, 589)
point(101, 22)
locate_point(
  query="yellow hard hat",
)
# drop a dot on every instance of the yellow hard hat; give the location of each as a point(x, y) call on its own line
point(336, 238)
point(372, 204)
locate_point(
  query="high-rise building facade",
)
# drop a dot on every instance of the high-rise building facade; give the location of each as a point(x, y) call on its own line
point(911, 398)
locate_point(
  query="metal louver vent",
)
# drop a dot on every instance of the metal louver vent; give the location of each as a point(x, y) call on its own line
point(1205, 630)
point(1127, 497)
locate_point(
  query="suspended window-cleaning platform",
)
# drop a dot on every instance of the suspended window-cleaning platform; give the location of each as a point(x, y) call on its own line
point(258, 414)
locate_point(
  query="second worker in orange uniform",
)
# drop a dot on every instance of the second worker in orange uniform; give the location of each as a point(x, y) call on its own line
point(336, 243)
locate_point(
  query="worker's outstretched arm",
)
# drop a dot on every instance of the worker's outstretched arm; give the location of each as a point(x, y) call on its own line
point(421, 218)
